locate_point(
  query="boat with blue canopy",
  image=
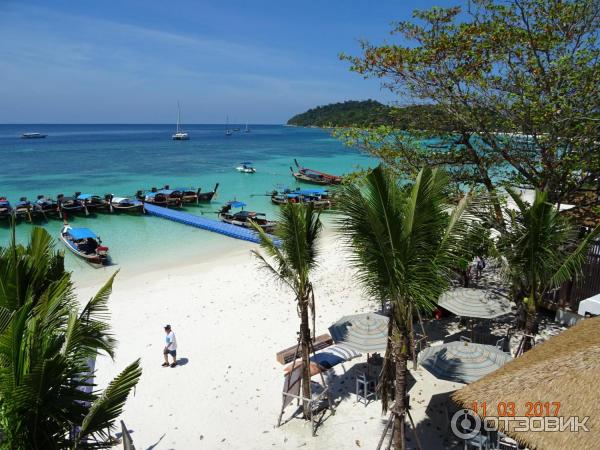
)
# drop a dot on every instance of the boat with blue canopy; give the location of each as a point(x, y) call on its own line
point(92, 202)
point(245, 218)
point(319, 198)
point(22, 209)
point(5, 208)
point(84, 243)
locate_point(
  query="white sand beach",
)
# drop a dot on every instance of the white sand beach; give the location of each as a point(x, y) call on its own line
point(230, 319)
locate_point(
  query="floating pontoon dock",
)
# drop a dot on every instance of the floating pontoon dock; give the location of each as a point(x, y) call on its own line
point(203, 223)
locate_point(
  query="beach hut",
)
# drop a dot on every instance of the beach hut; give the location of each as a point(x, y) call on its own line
point(559, 373)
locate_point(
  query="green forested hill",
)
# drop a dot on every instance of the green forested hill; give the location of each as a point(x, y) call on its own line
point(368, 113)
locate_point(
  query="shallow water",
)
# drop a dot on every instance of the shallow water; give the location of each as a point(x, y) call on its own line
point(121, 159)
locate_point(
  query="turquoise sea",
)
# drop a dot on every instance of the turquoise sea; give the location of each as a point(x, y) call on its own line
point(120, 159)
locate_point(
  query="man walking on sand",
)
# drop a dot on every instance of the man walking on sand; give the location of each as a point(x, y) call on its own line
point(170, 347)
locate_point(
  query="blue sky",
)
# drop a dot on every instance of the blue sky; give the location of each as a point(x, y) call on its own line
point(129, 61)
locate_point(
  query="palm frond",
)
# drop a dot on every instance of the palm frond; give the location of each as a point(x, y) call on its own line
point(105, 410)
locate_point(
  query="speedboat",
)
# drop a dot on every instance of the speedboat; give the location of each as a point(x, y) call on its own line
point(6, 210)
point(313, 176)
point(33, 136)
point(70, 204)
point(246, 167)
point(319, 198)
point(84, 243)
point(245, 218)
point(92, 202)
point(22, 209)
point(125, 204)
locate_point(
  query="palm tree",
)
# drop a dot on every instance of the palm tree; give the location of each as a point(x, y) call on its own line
point(47, 348)
point(403, 245)
point(542, 250)
point(290, 260)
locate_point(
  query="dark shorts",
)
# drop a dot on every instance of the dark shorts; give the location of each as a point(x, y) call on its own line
point(173, 353)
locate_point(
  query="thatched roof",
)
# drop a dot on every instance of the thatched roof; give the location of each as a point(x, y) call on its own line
point(565, 369)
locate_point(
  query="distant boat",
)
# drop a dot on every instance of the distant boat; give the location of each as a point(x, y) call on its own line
point(246, 130)
point(179, 135)
point(228, 132)
point(246, 167)
point(33, 136)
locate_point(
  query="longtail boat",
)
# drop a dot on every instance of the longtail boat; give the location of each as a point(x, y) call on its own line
point(22, 209)
point(125, 204)
point(159, 197)
point(313, 176)
point(70, 204)
point(5, 208)
point(320, 198)
point(244, 218)
point(84, 243)
point(92, 202)
point(45, 206)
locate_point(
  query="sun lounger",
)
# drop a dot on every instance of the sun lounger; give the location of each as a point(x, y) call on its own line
point(287, 355)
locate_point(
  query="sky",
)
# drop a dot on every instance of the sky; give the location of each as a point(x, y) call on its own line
point(130, 61)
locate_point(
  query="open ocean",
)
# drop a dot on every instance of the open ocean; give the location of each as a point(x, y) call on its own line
point(120, 159)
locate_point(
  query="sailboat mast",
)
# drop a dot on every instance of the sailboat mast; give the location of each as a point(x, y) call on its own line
point(178, 115)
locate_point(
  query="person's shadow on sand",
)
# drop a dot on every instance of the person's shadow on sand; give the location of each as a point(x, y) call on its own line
point(182, 361)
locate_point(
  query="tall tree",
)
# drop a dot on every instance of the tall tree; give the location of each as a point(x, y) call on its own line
point(404, 245)
point(290, 260)
point(47, 396)
point(542, 250)
point(517, 82)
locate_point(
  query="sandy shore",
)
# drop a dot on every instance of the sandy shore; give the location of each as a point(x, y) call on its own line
point(230, 319)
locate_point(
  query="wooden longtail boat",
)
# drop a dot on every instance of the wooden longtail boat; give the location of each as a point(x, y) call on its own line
point(313, 176)
point(320, 198)
point(84, 243)
point(243, 218)
point(6, 210)
point(45, 206)
point(22, 209)
point(92, 202)
point(70, 204)
point(125, 204)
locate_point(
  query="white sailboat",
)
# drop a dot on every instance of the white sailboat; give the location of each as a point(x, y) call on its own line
point(179, 135)
point(228, 132)
point(246, 130)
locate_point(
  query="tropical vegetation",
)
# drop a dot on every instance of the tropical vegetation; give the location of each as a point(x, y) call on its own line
point(290, 258)
point(369, 114)
point(518, 79)
point(48, 399)
point(542, 250)
point(404, 244)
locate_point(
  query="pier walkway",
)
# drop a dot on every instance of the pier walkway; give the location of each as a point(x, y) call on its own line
point(201, 222)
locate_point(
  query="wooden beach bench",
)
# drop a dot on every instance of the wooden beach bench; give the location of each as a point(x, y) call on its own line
point(286, 356)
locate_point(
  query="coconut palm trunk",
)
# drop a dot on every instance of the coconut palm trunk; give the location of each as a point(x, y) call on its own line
point(289, 259)
point(305, 341)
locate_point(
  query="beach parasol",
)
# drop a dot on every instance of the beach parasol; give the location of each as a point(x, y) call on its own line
point(366, 333)
point(477, 303)
point(462, 362)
